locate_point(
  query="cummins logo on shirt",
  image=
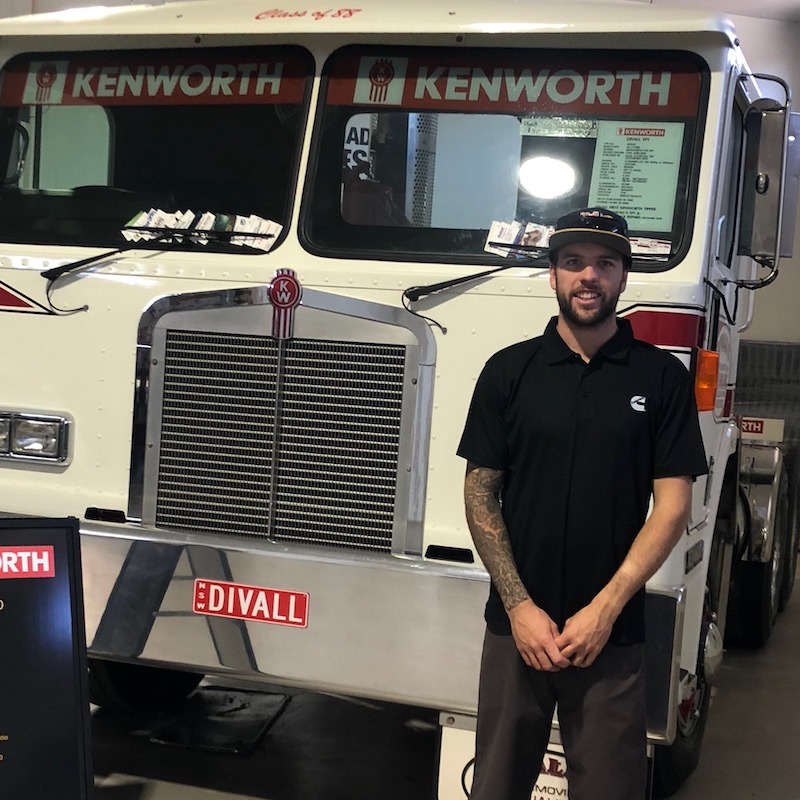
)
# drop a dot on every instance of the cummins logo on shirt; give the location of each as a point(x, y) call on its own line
point(638, 402)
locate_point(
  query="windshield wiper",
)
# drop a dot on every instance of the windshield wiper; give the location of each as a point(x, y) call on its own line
point(415, 293)
point(56, 272)
point(176, 237)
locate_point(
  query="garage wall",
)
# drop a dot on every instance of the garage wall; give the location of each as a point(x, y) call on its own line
point(771, 47)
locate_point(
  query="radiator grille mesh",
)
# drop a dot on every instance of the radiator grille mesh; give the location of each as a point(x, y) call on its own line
point(299, 445)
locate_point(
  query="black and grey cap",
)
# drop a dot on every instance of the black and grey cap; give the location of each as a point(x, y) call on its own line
point(593, 226)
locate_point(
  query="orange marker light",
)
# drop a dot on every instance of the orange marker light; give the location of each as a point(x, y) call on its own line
point(706, 372)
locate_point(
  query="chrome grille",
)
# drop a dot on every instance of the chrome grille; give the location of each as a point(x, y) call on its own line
point(297, 442)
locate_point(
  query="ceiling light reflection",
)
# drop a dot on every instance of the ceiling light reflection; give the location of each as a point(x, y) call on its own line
point(547, 178)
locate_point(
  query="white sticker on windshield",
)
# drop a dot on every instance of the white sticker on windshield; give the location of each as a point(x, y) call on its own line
point(635, 173)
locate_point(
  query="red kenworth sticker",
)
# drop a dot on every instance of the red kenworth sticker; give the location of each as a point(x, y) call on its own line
point(27, 562)
point(242, 76)
point(259, 604)
point(753, 425)
point(532, 81)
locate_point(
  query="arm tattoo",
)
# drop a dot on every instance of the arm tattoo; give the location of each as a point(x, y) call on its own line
point(485, 520)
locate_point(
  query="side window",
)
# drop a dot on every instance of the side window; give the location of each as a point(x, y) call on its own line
point(731, 185)
point(69, 146)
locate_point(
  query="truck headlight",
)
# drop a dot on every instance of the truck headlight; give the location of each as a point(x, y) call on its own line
point(34, 436)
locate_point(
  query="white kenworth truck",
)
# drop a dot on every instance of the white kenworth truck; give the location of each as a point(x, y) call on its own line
point(252, 260)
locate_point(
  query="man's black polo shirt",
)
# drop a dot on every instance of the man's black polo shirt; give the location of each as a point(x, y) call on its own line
point(580, 445)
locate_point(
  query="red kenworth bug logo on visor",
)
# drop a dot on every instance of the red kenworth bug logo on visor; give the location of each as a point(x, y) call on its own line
point(284, 293)
point(45, 79)
point(380, 76)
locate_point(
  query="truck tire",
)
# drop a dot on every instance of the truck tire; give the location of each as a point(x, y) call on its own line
point(674, 763)
point(792, 539)
point(129, 688)
point(755, 592)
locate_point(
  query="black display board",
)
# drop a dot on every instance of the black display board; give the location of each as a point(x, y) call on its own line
point(45, 749)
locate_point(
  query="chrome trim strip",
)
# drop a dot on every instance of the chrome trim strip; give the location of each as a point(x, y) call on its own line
point(665, 610)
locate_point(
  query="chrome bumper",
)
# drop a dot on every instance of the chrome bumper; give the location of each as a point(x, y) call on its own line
point(388, 628)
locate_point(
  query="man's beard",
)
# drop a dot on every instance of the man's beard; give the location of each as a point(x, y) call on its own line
point(592, 319)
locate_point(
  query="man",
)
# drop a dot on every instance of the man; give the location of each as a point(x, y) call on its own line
point(567, 437)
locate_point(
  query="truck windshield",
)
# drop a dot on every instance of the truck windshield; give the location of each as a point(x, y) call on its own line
point(436, 154)
point(91, 141)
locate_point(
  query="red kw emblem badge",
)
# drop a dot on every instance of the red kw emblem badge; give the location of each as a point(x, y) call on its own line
point(284, 293)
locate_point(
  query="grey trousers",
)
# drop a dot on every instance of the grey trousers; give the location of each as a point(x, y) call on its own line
point(601, 714)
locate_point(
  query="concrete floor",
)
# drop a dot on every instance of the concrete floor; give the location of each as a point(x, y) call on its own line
point(330, 748)
point(750, 749)
point(319, 748)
